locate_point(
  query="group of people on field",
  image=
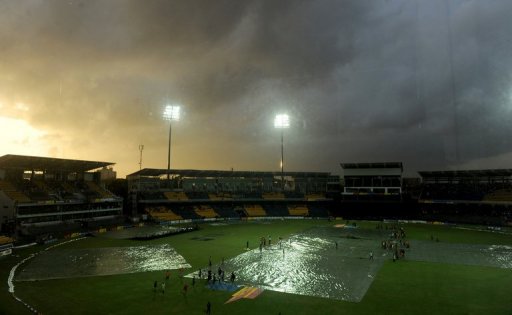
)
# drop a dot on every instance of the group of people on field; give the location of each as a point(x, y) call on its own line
point(167, 276)
point(396, 242)
point(212, 277)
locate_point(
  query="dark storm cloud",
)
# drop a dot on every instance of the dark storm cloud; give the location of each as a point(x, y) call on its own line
point(424, 82)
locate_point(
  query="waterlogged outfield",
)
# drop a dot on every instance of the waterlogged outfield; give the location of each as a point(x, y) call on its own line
point(405, 287)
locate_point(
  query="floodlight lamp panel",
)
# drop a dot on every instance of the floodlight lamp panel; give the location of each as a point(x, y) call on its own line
point(282, 121)
point(172, 112)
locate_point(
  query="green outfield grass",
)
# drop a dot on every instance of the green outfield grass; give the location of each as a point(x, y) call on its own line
point(405, 287)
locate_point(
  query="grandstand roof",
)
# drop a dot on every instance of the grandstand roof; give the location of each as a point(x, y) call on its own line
point(466, 173)
point(372, 165)
point(36, 163)
point(213, 173)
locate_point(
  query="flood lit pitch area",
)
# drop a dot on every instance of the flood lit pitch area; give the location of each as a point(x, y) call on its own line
point(341, 263)
point(71, 263)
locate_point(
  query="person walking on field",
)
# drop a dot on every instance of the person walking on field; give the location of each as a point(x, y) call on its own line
point(208, 308)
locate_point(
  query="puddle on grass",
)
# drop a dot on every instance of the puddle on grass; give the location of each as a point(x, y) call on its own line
point(70, 263)
point(309, 264)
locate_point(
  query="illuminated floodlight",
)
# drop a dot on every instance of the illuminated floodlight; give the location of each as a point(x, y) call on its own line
point(172, 112)
point(282, 121)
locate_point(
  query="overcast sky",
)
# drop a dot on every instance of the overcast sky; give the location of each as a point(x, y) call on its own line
point(427, 83)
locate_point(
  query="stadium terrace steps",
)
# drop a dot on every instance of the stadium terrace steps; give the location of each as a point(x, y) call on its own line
point(298, 210)
point(273, 196)
point(186, 212)
point(255, 211)
point(5, 240)
point(499, 195)
point(175, 195)
point(103, 193)
point(163, 214)
point(197, 195)
point(314, 197)
point(18, 196)
point(220, 196)
point(152, 195)
point(10, 190)
point(205, 212)
point(225, 211)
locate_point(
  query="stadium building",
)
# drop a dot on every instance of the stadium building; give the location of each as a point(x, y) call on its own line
point(372, 181)
point(40, 194)
point(470, 196)
point(200, 194)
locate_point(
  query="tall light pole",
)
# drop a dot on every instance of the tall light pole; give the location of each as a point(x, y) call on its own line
point(171, 113)
point(141, 147)
point(282, 121)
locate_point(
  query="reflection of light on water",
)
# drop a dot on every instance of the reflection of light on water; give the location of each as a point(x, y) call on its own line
point(501, 254)
point(310, 265)
point(102, 261)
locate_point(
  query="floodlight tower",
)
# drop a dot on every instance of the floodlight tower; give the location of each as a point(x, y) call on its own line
point(141, 148)
point(282, 121)
point(171, 113)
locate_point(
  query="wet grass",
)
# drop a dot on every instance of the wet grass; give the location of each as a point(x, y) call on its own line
point(404, 287)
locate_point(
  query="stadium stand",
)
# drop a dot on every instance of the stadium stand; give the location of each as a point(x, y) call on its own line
point(273, 196)
point(254, 210)
point(294, 195)
point(276, 210)
point(318, 211)
point(315, 197)
point(228, 194)
point(372, 181)
point(186, 212)
point(226, 211)
point(36, 192)
point(13, 193)
point(197, 195)
point(162, 213)
point(152, 195)
point(220, 196)
point(483, 196)
point(175, 195)
point(298, 210)
point(499, 195)
point(205, 211)
point(467, 185)
point(5, 240)
point(252, 195)
point(100, 192)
